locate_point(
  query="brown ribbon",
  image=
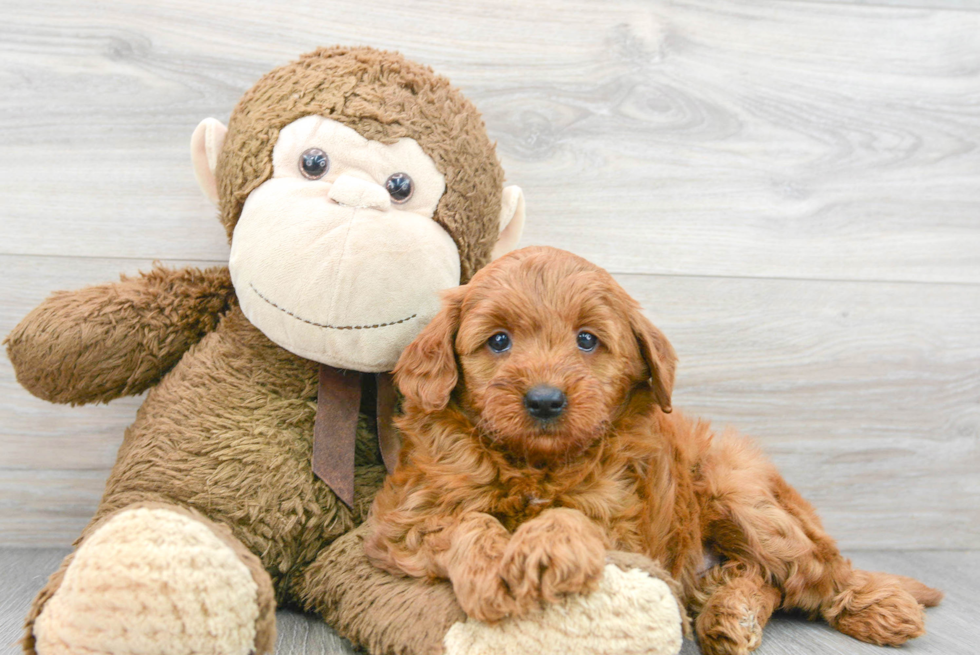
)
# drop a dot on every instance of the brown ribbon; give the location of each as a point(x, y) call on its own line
point(338, 404)
point(388, 439)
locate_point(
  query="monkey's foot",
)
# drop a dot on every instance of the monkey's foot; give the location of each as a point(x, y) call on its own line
point(160, 581)
point(630, 612)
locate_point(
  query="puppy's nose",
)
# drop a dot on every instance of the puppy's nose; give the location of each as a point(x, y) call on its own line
point(544, 401)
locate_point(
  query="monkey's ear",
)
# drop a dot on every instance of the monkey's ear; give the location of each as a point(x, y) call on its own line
point(511, 221)
point(206, 144)
point(659, 356)
point(426, 371)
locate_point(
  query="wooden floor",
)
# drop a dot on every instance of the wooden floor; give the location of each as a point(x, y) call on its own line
point(952, 627)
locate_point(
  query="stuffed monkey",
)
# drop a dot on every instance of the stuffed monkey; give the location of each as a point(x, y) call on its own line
point(354, 186)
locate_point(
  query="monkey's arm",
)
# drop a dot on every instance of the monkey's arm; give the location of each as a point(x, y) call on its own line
point(112, 340)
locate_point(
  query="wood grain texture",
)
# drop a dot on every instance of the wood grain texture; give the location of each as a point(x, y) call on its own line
point(951, 626)
point(744, 138)
point(23, 572)
point(958, 5)
point(305, 634)
point(790, 188)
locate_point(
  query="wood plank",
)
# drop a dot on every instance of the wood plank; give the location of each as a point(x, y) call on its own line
point(951, 627)
point(724, 138)
point(41, 507)
point(23, 571)
point(887, 5)
point(117, 199)
point(300, 634)
point(864, 394)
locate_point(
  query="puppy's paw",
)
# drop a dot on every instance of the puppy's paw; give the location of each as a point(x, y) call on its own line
point(877, 609)
point(484, 596)
point(733, 607)
point(728, 630)
point(558, 553)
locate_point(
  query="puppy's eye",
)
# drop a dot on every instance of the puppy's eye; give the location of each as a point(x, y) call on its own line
point(314, 163)
point(499, 342)
point(587, 341)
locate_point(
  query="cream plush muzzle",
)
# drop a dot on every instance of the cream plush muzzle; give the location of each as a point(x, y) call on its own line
point(331, 269)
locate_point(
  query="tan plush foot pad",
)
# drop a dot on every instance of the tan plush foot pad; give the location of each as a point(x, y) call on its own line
point(631, 612)
point(151, 582)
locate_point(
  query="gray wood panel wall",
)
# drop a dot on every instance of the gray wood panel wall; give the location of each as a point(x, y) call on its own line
point(791, 189)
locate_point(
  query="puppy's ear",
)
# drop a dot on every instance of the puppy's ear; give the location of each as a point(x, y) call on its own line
point(659, 356)
point(426, 372)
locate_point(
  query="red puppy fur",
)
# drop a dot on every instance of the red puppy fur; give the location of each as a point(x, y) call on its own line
point(515, 510)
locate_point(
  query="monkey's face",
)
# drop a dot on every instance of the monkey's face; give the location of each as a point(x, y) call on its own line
point(336, 257)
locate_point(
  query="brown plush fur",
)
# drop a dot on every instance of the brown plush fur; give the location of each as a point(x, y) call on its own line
point(382, 612)
point(384, 97)
point(228, 432)
point(61, 358)
point(226, 427)
point(515, 512)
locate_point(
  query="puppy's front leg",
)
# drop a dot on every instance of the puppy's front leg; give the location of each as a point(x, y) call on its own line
point(559, 552)
point(469, 555)
point(465, 549)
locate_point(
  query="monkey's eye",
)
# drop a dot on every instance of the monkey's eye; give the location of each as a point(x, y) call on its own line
point(587, 341)
point(314, 163)
point(499, 342)
point(400, 187)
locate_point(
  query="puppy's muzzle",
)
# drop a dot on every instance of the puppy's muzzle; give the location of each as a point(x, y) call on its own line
point(545, 402)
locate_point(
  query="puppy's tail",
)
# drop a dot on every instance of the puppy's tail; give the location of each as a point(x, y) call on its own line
point(925, 595)
point(880, 608)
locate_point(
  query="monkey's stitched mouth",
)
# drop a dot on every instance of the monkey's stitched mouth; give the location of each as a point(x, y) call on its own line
point(329, 327)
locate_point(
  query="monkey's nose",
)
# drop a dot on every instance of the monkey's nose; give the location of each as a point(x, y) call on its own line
point(361, 194)
point(545, 402)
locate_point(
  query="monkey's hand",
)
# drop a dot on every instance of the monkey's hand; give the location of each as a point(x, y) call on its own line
point(112, 340)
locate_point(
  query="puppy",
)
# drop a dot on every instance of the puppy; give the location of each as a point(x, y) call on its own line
point(538, 434)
